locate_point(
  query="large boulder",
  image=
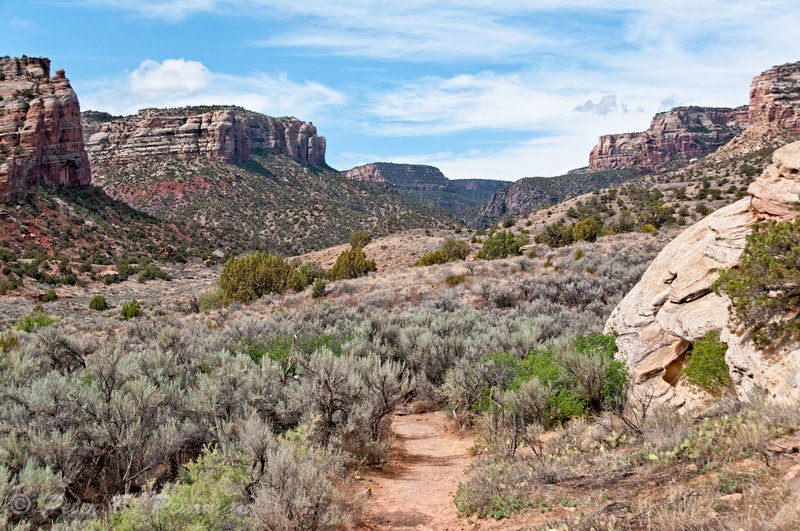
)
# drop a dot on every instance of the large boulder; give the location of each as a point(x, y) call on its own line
point(673, 304)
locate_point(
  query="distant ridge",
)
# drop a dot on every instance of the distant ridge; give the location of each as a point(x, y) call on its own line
point(459, 197)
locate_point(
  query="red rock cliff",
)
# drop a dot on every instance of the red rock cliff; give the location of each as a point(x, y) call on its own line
point(678, 134)
point(775, 97)
point(220, 133)
point(40, 129)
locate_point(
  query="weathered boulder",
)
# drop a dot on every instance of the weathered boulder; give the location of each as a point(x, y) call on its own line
point(673, 304)
point(41, 140)
point(227, 134)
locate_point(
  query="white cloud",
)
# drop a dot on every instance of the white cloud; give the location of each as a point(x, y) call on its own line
point(176, 78)
point(606, 104)
point(179, 82)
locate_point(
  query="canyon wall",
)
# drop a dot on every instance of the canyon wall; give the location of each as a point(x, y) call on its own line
point(226, 134)
point(41, 141)
point(679, 134)
point(775, 97)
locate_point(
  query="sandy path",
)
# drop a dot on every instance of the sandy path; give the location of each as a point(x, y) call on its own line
point(415, 489)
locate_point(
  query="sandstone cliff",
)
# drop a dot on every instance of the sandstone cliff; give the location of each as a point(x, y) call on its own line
point(775, 97)
point(40, 130)
point(673, 304)
point(675, 135)
point(226, 134)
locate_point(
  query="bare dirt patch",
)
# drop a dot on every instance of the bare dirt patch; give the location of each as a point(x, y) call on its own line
point(415, 489)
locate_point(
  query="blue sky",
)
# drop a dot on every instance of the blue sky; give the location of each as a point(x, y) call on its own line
point(478, 88)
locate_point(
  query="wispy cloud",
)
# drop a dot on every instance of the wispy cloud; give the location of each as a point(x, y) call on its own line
point(179, 82)
point(28, 26)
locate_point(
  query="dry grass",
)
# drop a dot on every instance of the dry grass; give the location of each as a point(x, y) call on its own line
point(723, 473)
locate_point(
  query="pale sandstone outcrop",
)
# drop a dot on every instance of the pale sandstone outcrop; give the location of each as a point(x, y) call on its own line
point(673, 304)
point(40, 129)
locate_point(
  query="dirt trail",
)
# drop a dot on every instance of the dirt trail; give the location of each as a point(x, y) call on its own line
point(415, 489)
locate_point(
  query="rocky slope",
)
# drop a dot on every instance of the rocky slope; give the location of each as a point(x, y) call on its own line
point(533, 193)
point(270, 201)
point(409, 176)
point(227, 134)
point(676, 135)
point(673, 304)
point(40, 130)
point(459, 197)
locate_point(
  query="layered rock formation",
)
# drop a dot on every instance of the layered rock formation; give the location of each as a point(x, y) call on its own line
point(775, 97)
point(226, 134)
point(678, 134)
point(673, 305)
point(40, 130)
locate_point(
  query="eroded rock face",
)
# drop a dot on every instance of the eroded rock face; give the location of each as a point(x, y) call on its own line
point(679, 134)
point(40, 129)
point(775, 97)
point(673, 304)
point(227, 134)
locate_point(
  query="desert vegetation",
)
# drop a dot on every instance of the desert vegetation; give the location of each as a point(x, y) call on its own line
point(763, 288)
point(234, 400)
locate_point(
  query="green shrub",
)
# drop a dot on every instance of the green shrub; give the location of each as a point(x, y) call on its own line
point(588, 229)
point(649, 229)
point(451, 250)
point(152, 272)
point(556, 234)
point(706, 367)
point(305, 275)
point(210, 300)
point(8, 341)
point(360, 239)
point(38, 319)
point(98, 303)
point(131, 309)
point(318, 289)
point(585, 377)
point(509, 222)
point(454, 280)
point(764, 289)
point(352, 263)
point(50, 296)
point(124, 269)
point(248, 278)
point(500, 245)
point(207, 500)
